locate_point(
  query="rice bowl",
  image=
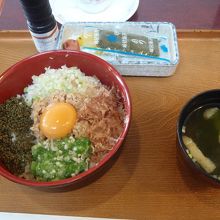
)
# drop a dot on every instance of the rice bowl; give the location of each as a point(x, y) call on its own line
point(111, 79)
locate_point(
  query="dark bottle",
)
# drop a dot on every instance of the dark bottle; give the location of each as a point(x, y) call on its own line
point(41, 23)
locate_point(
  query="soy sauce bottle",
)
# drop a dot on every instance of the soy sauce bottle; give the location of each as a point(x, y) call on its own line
point(41, 23)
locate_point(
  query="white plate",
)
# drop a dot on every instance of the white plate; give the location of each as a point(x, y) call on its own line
point(67, 11)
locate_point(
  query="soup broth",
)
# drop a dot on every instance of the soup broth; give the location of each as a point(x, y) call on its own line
point(202, 128)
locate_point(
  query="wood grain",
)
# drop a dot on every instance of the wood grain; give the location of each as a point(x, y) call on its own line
point(146, 181)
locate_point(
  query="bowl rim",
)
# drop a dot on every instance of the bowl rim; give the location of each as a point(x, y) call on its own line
point(182, 146)
point(108, 156)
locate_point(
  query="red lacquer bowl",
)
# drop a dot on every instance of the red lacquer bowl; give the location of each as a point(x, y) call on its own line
point(17, 77)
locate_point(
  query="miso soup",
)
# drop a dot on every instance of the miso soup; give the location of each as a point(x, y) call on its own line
point(201, 136)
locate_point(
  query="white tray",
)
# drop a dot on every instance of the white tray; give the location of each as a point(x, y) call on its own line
point(138, 66)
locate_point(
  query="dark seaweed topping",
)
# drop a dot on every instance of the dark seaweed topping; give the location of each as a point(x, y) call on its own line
point(16, 139)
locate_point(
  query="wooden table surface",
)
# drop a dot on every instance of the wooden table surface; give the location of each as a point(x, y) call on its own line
point(146, 181)
point(185, 14)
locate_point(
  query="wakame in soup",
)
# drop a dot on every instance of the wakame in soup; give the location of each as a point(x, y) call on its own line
point(201, 136)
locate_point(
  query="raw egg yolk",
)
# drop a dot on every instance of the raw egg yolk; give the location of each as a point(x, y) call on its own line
point(58, 120)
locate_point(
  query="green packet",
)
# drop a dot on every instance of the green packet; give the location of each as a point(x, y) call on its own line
point(113, 43)
point(119, 42)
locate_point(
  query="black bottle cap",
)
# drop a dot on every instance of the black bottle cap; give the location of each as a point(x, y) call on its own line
point(39, 15)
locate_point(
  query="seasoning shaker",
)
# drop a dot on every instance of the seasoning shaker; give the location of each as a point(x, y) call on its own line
point(41, 23)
